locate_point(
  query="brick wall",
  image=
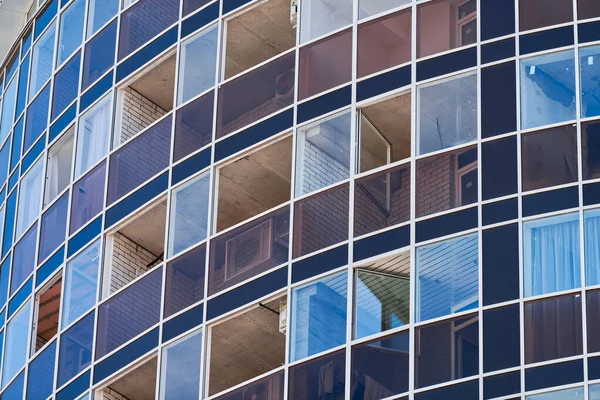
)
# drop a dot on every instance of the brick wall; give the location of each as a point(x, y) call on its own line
point(436, 187)
point(254, 114)
point(320, 169)
point(137, 113)
point(111, 394)
point(129, 260)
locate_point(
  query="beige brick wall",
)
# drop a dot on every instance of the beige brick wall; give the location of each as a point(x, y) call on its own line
point(110, 394)
point(129, 260)
point(137, 113)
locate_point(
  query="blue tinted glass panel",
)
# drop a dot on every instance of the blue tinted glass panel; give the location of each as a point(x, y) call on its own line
point(15, 390)
point(592, 247)
point(447, 277)
point(81, 277)
point(100, 11)
point(4, 155)
point(4, 274)
point(9, 223)
point(54, 227)
point(551, 259)
point(180, 371)
point(37, 118)
point(75, 352)
point(66, 86)
point(41, 66)
point(11, 67)
point(22, 92)
point(17, 337)
point(589, 64)
point(185, 280)
point(566, 394)
point(8, 109)
point(547, 89)
point(41, 374)
point(26, 42)
point(193, 126)
point(71, 30)
point(45, 17)
point(15, 152)
point(99, 54)
point(24, 259)
point(30, 191)
point(88, 197)
point(318, 315)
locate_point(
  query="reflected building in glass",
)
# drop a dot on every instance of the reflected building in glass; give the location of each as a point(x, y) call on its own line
point(301, 200)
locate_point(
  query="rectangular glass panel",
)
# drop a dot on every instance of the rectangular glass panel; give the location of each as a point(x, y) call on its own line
point(99, 53)
point(24, 259)
point(99, 13)
point(185, 280)
point(193, 126)
point(320, 17)
point(180, 369)
point(37, 118)
point(368, 8)
point(75, 352)
point(589, 64)
point(58, 170)
point(15, 349)
point(23, 79)
point(268, 388)
point(535, 14)
point(304, 378)
point(66, 86)
point(54, 227)
point(40, 378)
point(30, 193)
point(43, 58)
point(88, 197)
point(93, 135)
point(592, 246)
point(565, 394)
point(318, 316)
point(81, 278)
point(71, 30)
point(8, 109)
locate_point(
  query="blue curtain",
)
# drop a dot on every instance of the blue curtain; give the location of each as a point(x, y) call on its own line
point(592, 248)
point(554, 259)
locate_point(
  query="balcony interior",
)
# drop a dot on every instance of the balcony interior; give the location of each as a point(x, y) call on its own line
point(48, 314)
point(138, 384)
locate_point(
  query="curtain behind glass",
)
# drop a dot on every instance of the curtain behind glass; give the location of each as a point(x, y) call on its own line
point(592, 247)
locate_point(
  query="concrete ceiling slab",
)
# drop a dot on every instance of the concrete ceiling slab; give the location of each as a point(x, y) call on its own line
point(138, 384)
point(13, 15)
point(158, 84)
point(148, 230)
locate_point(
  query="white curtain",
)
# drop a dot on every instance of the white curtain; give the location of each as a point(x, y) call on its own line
point(592, 249)
point(552, 261)
point(29, 197)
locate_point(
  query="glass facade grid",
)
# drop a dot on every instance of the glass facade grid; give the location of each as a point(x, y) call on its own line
point(313, 231)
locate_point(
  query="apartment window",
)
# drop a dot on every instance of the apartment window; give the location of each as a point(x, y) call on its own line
point(189, 214)
point(17, 337)
point(198, 64)
point(447, 277)
point(47, 313)
point(547, 89)
point(304, 378)
point(551, 259)
point(591, 234)
point(565, 394)
point(71, 30)
point(99, 13)
point(320, 17)
point(180, 369)
point(447, 113)
point(42, 61)
point(193, 126)
point(81, 278)
point(30, 193)
point(88, 197)
point(187, 272)
point(40, 377)
point(54, 227)
point(75, 351)
point(318, 307)
point(66, 86)
point(93, 135)
point(589, 64)
point(23, 259)
point(99, 53)
point(368, 8)
point(8, 109)
point(535, 14)
point(37, 118)
point(58, 170)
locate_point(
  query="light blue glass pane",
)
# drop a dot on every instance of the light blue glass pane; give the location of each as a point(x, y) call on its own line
point(8, 109)
point(318, 316)
point(100, 11)
point(30, 197)
point(41, 374)
point(447, 277)
point(75, 351)
point(567, 394)
point(551, 259)
point(590, 84)
point(594, 392)
point(23, 80)
point(547, 89)
point(592, 247)
point(41, 66)
point(198, 64)
point(17, 337)
point(66, 86)
point(180, 371)
point(189, 214)
point(24, 259)
point(71, 30)
point(382, 301)
point(447, 113)
point(368, 8)
point(323, 153)
point(4, 156)
point(319, 17)
point(81, 277)
point(4, 274)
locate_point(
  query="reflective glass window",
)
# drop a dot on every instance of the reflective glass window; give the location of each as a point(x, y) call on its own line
point(4, 157)
point(587, 9)
point(594, 392)
point(15, 348)
point(99, 13)
point(271, 387)
point(66, 86)
point(4, 273)
point(321, 220)
point(15, 390)
point(565, 394)
point(368, 8)
point(304, 378)
point(547, 89)
point(320, 17)
point(189, 214)
point(592, 246)
point(590, 149)
point(54, 227)
point(323, 153)
point(185, 280)
point(593, 320)
point(93, 135)
point(539, 13)
point(553, 328)
point(43, 58)
point(8, 109)
point(318, 316)
point(81, 277)
point(551, 259)
point(141, 299)
point(193, 126)
point(447, 113)
point(88, 197)
point(40, 378)
point(58, 169)
point(75, 351)
point(189, 6)
point(455, 22)
point(539, 152)
point(144, 20)
point(23, 79)
point(447, 277)
point(24, 259)
point(99, 53)
point(325, 64)
point(30, 192)
point(589, 64)
point(446, 351)
point(198, 64)
point(37, 118)
point(71, 30)
point(180, 369)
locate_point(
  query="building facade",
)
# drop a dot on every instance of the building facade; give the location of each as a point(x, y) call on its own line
point(301, 199)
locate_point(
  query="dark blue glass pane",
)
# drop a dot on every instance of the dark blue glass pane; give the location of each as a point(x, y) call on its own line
point(304, 380)
point(88, 197)
point(499, 168)
point(24, 259)
point(9, 223)
point(26, 42)
point(4, 273)
point(75, 352)
point(37, 118)
point(4, 155)
point(71, 30)
point(45, 17)
point(15, 153)
point(498, 99)
point(54, 227)
point(497, 18)
point(66, 85)
point(15, 390)
point(11, 68)
point(41, 374)
point(193, 126)
point(501, 338)
point(22, 91)
point(500, 264)
point(185, 280)
point(99, 55)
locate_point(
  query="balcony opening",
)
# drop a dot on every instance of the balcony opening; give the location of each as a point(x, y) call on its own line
point(254, 183)
point(137, 384)
point(145, 100)
point(135, 249)
point(248, 345)
point(258, 34)
point(47, 312)
point(385, 132)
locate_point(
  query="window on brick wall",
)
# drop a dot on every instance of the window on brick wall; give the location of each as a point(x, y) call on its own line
point(145, 101)
point(254, 183)
point(384, 132)
point(135, 249)
point(256, 35)
point(58, 170)
point(93, 135)
point(323, 153)
point(233, 361)
point(47, 313)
